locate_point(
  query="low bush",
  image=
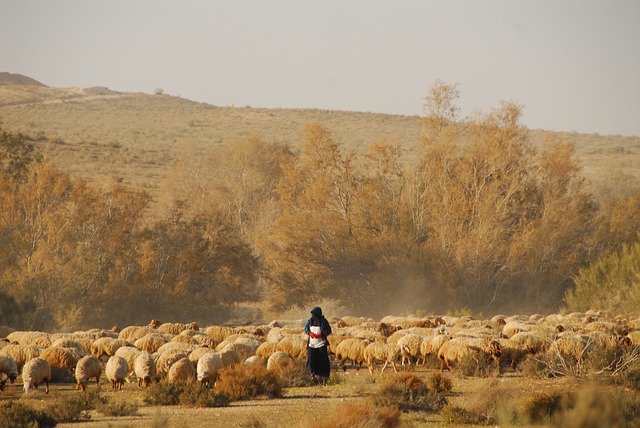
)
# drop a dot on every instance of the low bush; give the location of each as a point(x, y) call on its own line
point(120, 407)
point(409, 392)
point(164, 393)
point(362, 414)
point(241, 382)
point(456, 415)
point(14, 414)
point(470, 366)
point(71, 409)
point(439, 383)
point(545, 407)
point(195, 395)
point(294, 374)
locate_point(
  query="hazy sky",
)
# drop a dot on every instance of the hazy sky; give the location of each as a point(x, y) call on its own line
point(573, 64)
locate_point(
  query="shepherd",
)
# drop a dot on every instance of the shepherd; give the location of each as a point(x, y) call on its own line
point(318, 328)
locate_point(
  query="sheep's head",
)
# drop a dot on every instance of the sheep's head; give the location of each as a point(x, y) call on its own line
point(2, 383)
point(194, 326)
point(155, 324)
point(495, 348)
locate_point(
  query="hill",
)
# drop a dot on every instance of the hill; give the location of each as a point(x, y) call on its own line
point(136, 138)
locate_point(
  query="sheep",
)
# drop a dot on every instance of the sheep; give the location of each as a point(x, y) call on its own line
point(9, 367)
point(244, 348)
point(410, 347)
point(37, 338)
point(513, 327)
point(266, 349)
point(70, 343)
point(129, 353)
point(295, 346)
point(534, 341)
point(219, 333)
point(431, 345)
point(176, 346)
point(150, 342)
point(353, 350)
point(277, 360)
point(454, 350)
point(572, 346)
point(88, 367)
point(184, 339)
point(35, 372)
point(22, 353)
point(254, 360)
point(197, 353)
point(116, 369)
point(380, 351)
point(61, 360)
point(166, 360)
point(134, 332)
point(207, 369)
point(351, 321)
point(107, 346)
point(632, 338)
point(182, 370)
point(177, 328)
point(513, 352)
point(229, 357)
point(145, 369)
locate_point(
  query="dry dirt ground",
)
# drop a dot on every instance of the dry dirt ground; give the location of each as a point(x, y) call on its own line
point(299, 407)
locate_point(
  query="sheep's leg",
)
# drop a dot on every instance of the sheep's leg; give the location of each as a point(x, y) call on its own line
point(46, 386)
point(395, 369)
point(384, 366)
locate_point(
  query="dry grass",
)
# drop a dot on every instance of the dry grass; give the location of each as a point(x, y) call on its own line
point(136, 139)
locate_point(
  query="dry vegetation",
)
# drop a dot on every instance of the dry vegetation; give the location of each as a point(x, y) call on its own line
point(136, 138)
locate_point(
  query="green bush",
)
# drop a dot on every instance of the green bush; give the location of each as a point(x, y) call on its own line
point(610, 284)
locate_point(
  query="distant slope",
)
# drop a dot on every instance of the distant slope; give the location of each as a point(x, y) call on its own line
point(136, 138)
point(7, 78)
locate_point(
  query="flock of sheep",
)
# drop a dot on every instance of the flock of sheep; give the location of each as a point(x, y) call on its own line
point(185, 352)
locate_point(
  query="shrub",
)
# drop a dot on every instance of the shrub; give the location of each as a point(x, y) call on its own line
point(14, 414)
point(294, 374)
point(408, 392)
point(240, 382)
point(470, 366)
point(195, 395)
point(71, 409)
point(164, 393)
point(439, 383)
point(545, 407)
point(460, 416)
point(362, 414)
point(112, 407)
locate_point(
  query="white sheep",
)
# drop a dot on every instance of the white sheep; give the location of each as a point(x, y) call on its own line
point(134, 332)
point(70, 343)
point(229, 357)
point(254, 360)
point(208, 367)
point(61, 359)
point(266, 349)
point(145, 369)
point(150, 342)
point(166, 359)
point(295, 346)
point(351, 350)
point(9, 367)
point(22, 353)
point(129, 353)
point(107, 346)
point(431, 345)
point(88, 367)
point(277, 360)
point(177, 328)
point(454, 350)
point(410, 347)
point(116, 370)
point(35, 372)
point(219, 333)
point(37, 338)
point(197, 353)
point(383, 352)
point(176, 346)
point(182, 370)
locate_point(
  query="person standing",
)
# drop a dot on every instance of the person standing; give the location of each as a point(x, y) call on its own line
point(318, 328)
